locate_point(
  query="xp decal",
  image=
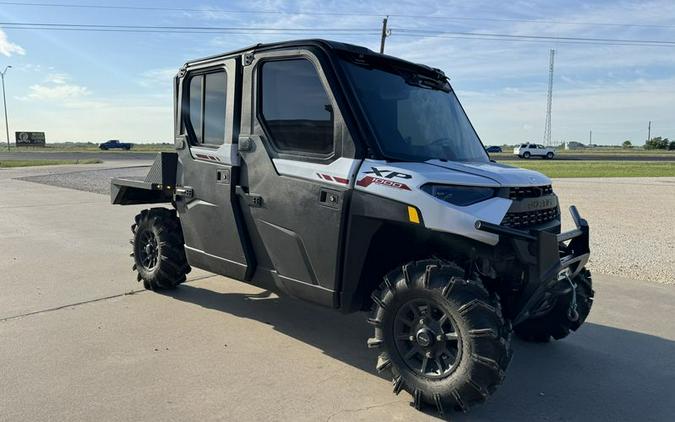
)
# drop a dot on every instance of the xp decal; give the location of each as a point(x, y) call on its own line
point(389, 174)
point(384, 178)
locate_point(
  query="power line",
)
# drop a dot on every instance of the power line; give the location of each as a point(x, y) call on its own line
point(535, 37)
point(35, 25)
point(367, 14)
point(530, 40)
point(409, 32)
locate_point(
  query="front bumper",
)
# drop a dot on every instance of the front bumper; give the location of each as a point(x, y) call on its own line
point(545, 255)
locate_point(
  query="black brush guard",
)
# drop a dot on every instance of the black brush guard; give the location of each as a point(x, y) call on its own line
point(546, 256)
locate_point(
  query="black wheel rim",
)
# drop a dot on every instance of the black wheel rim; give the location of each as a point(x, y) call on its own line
point(427, 339)
point(148, 251)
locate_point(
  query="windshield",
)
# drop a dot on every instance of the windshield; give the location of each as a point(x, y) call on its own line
point(415, 118)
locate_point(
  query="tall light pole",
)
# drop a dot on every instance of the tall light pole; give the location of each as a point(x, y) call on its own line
point(549, 100)
point(4, 101)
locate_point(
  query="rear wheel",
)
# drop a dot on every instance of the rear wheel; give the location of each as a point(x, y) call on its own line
point(526, 154)
point(558, 321)
point(442, 338)
point(549, 155)
point(158, 250)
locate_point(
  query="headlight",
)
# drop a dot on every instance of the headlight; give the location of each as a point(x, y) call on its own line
point(459, 195)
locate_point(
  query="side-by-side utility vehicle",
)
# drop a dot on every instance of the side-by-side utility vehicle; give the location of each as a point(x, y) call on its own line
point(355, 180)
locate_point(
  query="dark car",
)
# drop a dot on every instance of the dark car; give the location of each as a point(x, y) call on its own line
point(115, 144)
point(494, 149)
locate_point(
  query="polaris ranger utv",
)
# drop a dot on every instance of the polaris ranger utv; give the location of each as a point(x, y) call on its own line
point(355, 180)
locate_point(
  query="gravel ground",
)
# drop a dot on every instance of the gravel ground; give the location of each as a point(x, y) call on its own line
point(632, 224)
point(97, 181)
point(631, 219)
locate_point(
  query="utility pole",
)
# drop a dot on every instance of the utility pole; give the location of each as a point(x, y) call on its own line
point(547, 126)
point(649, 131)
point(385, 34)
point(4, 101)
point(590, 138)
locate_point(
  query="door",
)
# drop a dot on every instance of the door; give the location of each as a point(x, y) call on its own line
point(208, 170)
point(297, 172)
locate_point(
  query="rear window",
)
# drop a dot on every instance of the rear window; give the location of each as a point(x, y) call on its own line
point(207, 102)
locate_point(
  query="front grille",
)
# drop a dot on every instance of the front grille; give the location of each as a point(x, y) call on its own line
point(529, 192)
point(530, 218)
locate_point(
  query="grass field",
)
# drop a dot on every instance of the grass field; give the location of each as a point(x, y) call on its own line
point(589, 154)
point(32, 163)
point(589, 168)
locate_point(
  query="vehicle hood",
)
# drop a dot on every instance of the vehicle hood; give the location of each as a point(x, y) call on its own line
point(503, 174)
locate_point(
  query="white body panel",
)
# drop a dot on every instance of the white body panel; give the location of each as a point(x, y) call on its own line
point(402, 182)
point(340, 172)
point(225, 154)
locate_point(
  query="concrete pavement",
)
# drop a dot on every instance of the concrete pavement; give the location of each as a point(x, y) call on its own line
point(79, 341)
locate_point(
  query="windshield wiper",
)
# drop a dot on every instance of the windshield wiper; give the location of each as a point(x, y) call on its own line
point(421, 81)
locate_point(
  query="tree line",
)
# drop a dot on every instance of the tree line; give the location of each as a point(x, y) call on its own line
point(654, 143)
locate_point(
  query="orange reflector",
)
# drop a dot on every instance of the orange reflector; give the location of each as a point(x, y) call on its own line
point(413, 216)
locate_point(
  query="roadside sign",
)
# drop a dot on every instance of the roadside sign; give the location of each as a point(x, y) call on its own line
point(35, 139)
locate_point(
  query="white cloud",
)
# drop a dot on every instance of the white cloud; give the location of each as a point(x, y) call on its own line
point(157, 77)
point(8, 48)
point(58, 78)
point(57, 91)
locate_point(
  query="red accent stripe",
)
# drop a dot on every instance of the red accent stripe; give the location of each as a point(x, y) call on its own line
point(365, 182)
point(341, 180)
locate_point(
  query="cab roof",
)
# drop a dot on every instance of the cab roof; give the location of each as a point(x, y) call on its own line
point(320, 43)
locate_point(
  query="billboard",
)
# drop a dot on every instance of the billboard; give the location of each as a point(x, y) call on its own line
point(35, 139)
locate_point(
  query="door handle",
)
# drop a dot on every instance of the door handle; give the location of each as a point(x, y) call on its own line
point(185, 191)
point(329, 198)
point(253, 200)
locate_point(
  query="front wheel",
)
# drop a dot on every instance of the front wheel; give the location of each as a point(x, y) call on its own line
point(549, 155)
point(526, 155)
point(556, 318)
point(442, 338)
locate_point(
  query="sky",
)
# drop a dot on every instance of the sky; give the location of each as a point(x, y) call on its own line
point(94, 86)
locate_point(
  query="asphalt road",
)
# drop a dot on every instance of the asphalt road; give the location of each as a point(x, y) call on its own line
point(64, 155)
point(81, 341)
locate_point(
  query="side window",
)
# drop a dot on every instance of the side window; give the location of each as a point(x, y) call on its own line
point(195, 107)
point(295, 107)
point(207, 104)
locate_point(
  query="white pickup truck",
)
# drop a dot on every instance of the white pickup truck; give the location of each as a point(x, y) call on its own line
point(534, 150)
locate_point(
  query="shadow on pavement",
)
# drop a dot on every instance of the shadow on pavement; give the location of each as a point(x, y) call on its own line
point(598, 373)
